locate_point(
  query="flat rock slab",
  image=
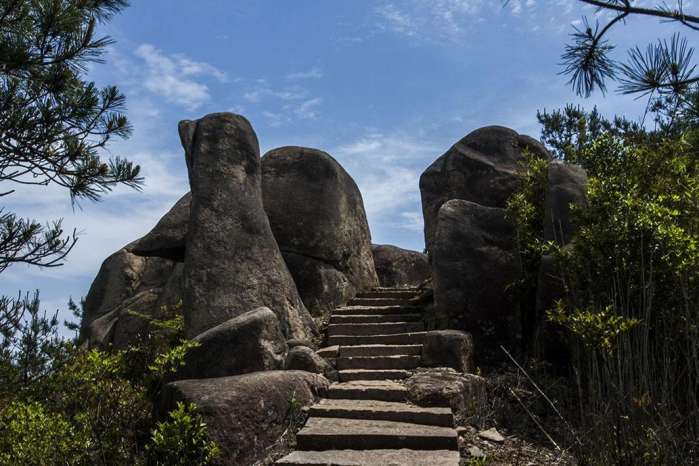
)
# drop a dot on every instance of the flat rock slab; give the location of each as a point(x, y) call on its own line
point(375, 329)
point(374, 318)
point(373, 374)
point(371, 458)
point(378, 362)
point(383, 411)
point(491, 434)
point(329, 351)
point(339, 434)
point(383, 390)
point(378, 301)
point(405, 294)
point(408, 338)
point(380, 350)
point(374, 310)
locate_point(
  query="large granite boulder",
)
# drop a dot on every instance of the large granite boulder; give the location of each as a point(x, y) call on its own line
point(250, 342)
point(246, 414)
point(398, 267)
point(566, 186)
point(480, 168)
point(126, 284)
point(474, 265)
point(232, 262)
point(448, 348)
point(317, 216)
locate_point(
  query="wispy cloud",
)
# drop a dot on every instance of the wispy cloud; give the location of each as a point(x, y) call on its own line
point(285, 104)
point(449, 21)
point(313, 73)
point(308, 109)
point(412, 221)
point(396, 20)
point(174, 77)
point(387, 169)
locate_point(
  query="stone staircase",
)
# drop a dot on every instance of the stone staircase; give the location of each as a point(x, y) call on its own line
point(365, 419)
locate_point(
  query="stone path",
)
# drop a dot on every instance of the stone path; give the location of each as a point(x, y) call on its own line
point(365, 419)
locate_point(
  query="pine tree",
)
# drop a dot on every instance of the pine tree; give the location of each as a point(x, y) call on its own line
point(53, 123)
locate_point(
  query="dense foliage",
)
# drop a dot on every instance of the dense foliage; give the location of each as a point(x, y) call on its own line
point(631, 276)
point(60, 404)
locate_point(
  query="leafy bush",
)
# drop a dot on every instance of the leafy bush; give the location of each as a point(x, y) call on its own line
point(631, 275)
point(526, 209)
point(64, 405)
point(182, 440)
point(31, 436)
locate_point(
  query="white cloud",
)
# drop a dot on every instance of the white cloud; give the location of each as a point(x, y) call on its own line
point(387, 169)
point(307, 110)
point(449, 21)
point(289, 103)
point(396, 20)
point(412, 221)
point(276, 119)
point(173, 76)
point(313, 73)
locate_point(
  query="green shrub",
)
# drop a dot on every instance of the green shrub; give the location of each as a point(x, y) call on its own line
point(31, 436)
point(63, 405)
point(182, 440)
point(631, 275)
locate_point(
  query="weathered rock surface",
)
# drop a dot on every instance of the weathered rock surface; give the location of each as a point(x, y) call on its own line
point(474, 263)
point(463, 393)
point(246, 414)
point(167, 238)
point(250, 342)
point(232, 262)
point(479, 168)
point(448, 348)
point(127, 283)
point(303, 358)
point(567, 184)
point(317, 216)
point(398, 267)
point(491, 434)
point(402, 457)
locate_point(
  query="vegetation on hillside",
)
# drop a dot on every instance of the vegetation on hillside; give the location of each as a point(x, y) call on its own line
point(630, 310)
point(61, 404)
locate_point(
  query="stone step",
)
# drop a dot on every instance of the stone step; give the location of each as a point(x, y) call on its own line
point(404, 294)
point(378, 301)
point(376, 310)
point(379, 350)
point(321, 433)
point(400, 288)
point(401, 457)
point(374, 318)
point(384, 390)
point(410, 338)
point(378, 362)
point(386, 328)
point(383, 411)
point(373, 374)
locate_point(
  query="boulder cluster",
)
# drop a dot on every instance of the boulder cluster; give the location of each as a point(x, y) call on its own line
point(257, 249)
point(263, 249)
point(471, 242)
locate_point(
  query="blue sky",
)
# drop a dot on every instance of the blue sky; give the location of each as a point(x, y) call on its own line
point(383, 86)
